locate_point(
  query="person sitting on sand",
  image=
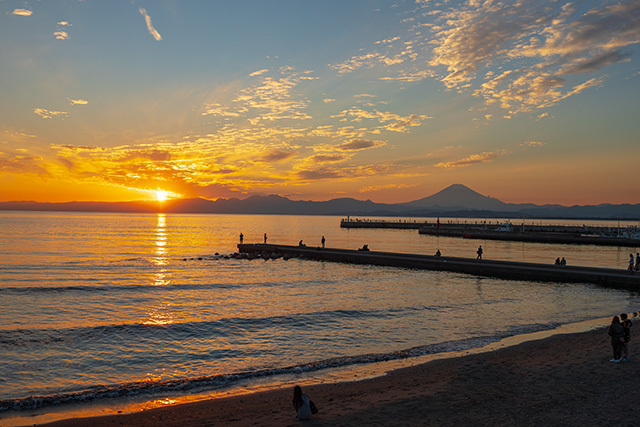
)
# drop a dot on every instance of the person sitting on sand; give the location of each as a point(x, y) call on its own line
point(364, 248)
point(438, 252)
point(557, 261)
point(616, 332)
point(563, 261)
point(301, 244)
point(626, 327)
point(302, 404)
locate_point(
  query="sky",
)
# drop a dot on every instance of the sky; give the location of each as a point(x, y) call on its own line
point(532, 101)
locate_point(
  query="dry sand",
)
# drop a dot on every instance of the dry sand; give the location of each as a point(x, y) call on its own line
point(557, 381)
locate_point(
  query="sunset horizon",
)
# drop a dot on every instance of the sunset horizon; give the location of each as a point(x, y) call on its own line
point(219, 212)
point(534, 102)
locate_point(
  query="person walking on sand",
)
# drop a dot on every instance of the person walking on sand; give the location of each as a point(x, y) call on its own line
point(303, 406)
point(479, 252)
point(631, 263)
point(322, 241)
point(626, 327)
point(265, 238)
point(616, 332)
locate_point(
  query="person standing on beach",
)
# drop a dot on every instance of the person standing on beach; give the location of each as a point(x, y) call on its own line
point(265, 238)
point(626, 327)
point(616, 332)
point(479, 252)
point(322, 241)
point(630, 268)
point(241, 238)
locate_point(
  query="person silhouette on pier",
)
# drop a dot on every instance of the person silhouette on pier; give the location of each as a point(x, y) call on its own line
point(479, 252)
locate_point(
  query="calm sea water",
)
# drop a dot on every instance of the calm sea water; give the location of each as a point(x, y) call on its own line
point(96, 307)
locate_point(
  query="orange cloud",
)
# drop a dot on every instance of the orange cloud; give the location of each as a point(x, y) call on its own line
point(471, 160)
point(48, 114)
point(22, 12)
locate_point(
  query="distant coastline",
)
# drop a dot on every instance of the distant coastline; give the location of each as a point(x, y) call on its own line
point(456, 201)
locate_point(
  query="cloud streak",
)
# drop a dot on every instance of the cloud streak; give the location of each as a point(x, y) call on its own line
point(473, 159)
point(22, 12)
point(147, 19)
point(49, 114)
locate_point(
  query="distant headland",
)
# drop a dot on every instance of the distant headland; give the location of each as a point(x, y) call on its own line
point(457, 201)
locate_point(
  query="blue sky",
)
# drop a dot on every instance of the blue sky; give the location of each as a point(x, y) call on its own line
point(531, 101)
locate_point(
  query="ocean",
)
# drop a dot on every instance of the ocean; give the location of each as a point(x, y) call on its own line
point(112, 310)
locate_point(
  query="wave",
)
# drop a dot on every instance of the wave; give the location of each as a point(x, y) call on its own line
point(138, 288)
point(218, 381)
point(223, 327)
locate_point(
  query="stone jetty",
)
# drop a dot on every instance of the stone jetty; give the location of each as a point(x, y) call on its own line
point(610, 277)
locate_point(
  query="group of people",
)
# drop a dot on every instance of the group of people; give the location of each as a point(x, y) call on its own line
point(561, 261)
point(620, 333)
point(300, 243)
point(634, 265)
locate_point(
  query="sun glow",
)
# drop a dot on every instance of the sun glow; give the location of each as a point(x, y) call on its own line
point(162, 195)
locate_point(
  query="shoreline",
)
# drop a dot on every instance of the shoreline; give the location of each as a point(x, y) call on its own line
point(561, 379)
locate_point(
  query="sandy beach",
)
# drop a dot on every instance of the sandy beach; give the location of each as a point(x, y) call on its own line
point(561, 380)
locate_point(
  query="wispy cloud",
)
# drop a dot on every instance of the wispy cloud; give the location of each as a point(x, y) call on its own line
point(518, 56)
point(155, 34)
point(533, 144)
point(359, 144)
point(392, 122)
point(22, 12)
point(474, 159)
point(62, 34)
point(78, 101)
point(49, 114)
point(272, 98)
point(259, 72)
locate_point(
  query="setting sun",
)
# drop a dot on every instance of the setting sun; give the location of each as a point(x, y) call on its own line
point(162, 195)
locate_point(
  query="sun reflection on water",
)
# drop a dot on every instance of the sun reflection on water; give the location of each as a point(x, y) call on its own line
point(159, 315)
point(161, 240)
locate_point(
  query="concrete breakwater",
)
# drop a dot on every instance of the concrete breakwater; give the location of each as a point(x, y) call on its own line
point(531, 236)
point(602, 236)
point(488, 268)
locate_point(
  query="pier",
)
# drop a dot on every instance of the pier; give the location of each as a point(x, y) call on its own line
point(610, 277)
point(563, 234)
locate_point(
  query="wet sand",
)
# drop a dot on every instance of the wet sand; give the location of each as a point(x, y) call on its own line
point(560, 380)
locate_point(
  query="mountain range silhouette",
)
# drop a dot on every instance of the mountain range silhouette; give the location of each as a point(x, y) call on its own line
point(456, 200)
